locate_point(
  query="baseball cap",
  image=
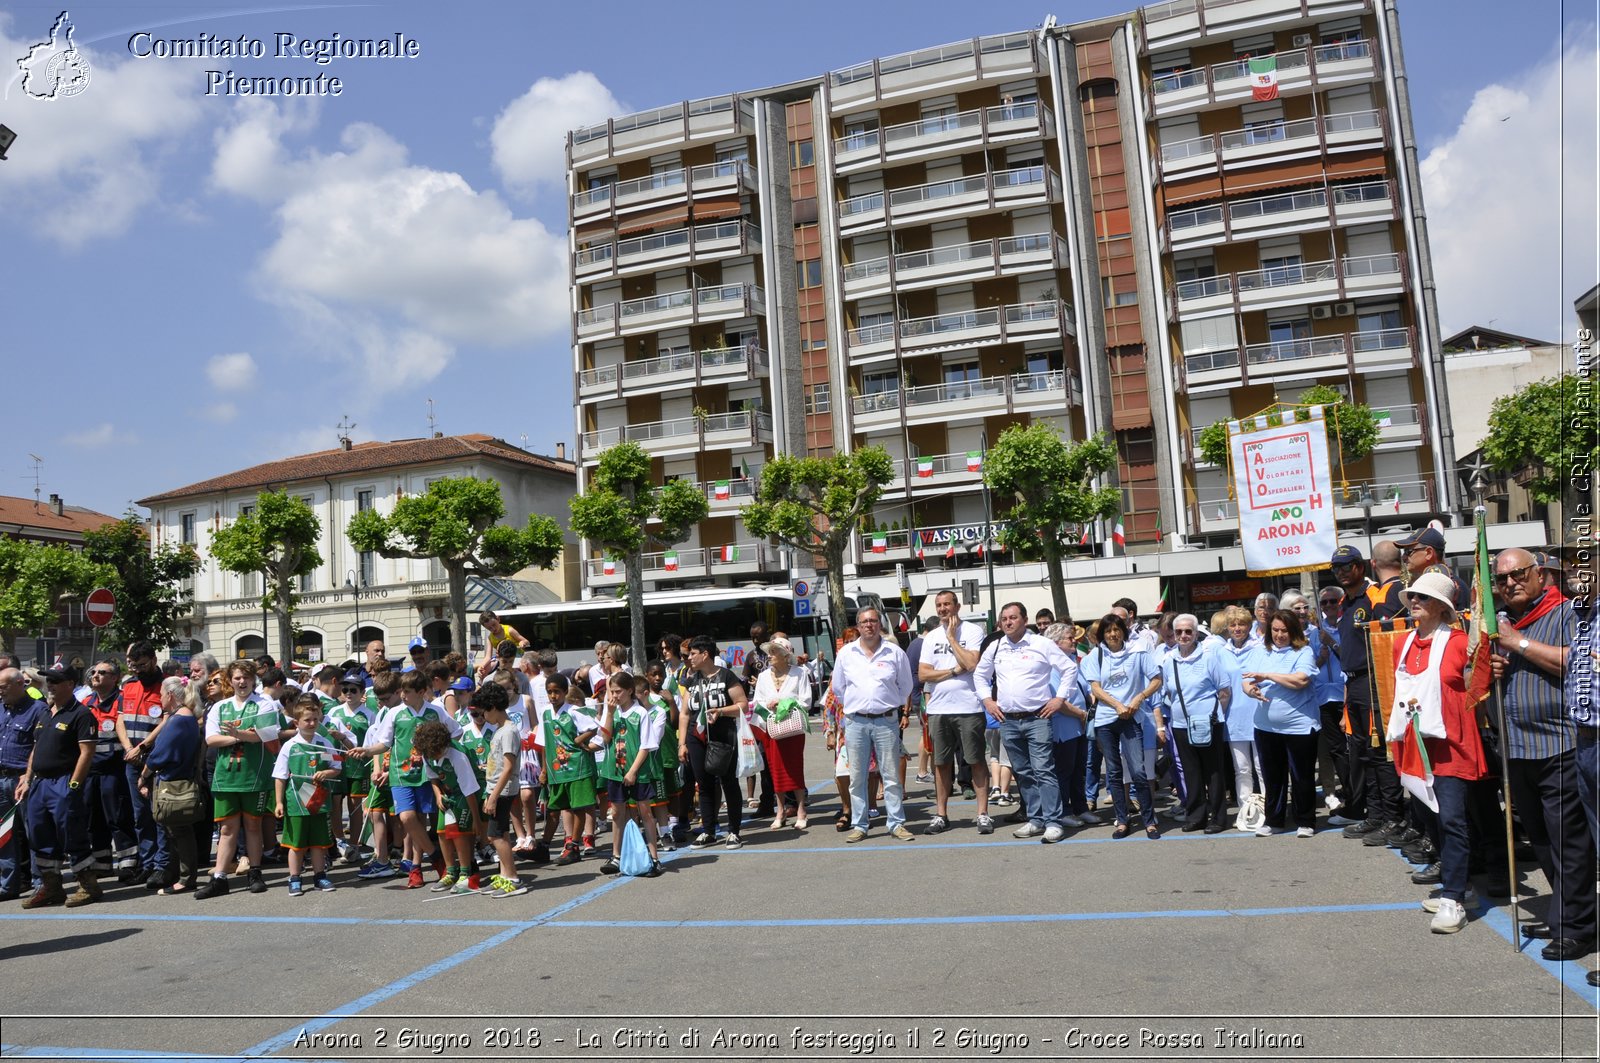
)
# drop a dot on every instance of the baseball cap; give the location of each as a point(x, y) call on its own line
point(1429, 537)
point(65, 674)
point(464, 683)
point(417, 643)
point(1345, 555)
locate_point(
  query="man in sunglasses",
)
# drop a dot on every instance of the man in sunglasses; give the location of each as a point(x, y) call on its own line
point(1535, 635)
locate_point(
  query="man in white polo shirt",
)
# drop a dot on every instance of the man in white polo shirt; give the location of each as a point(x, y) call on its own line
point(955, 715)
point(872, 680)
point(1013, 679)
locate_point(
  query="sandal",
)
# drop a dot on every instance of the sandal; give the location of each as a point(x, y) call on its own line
point(1153, 832)
point(842, 824)
point(800, 822)
point(1122, 831)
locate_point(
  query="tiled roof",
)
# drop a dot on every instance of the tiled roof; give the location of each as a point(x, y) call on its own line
point(366, 457)
point(39, 520)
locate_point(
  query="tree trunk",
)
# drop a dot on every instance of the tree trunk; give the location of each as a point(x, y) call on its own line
point(456, 577)
point(633, 568)
point(285, 598)
point(833, 554)
point(1058, 583)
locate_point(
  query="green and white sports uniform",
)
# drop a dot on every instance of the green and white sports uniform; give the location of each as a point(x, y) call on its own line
point(305, 801)
point(457, 781)
point(242, 780)
point(569, 768)
point(357, 772)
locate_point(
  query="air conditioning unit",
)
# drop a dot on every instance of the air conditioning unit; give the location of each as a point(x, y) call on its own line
point(1302, 40)
point(1320, 312)
point(1344, 309)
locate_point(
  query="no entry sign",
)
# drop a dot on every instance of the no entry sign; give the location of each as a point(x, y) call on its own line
point(99, 606)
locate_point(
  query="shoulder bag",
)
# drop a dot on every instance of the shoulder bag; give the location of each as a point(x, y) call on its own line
point(180, 802)
point(1200, 727)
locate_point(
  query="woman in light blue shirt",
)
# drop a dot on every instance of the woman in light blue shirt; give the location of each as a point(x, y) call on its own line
point(1234, 649)
point(1280, 677)
point(1121, 680)
point(1198, 686)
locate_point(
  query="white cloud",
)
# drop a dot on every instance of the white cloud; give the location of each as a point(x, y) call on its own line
point(1504, 190)
point(393, 262)
point(101, 435)
point(85, 166)
point(529, 135)
point(231, 371)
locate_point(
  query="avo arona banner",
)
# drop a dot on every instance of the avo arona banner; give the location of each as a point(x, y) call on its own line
point(1281, 478)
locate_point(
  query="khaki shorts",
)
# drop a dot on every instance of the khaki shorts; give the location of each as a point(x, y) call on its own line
point(957, 731)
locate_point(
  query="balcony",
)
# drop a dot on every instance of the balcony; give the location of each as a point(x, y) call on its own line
point(939, 470)
point(1320, 354)
point(692, 306)
point(1399, 427)
point(736, 559)
point(653, 251)
point(955, 264)
point(686, 369)
point(1393, 348)
point(935, 542)
point(1278, 215)
point(684, 435)
point(941, 135)
point(1301, 70)
point(966, 400)
point(674, 126)
point(1387, 500)
point(1180, 21)
point(963, 196)
point(1374, 349)
point(963, 328)
point(1272, 142)
point(916, 73)
point(1289, 285)
point(658, 190)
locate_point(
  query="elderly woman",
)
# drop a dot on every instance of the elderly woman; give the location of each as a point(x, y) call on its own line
point(779, 683)
point(1198, 685)
point(1233, 649)
point(175, 756)
point(1328, 689)
point(1121, 679)
point(1430, 679)
point(1068, 743)
point(1279, 675)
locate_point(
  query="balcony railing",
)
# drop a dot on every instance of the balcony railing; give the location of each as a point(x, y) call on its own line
point(1288, 133)
point(1282, 276)
point(646, 370)
point(655, 243)
point(1294, 350)
point(955, 255)
point(918, 331)
point(938, 465)
point(1205, 287)
point(1245, 211)
point(1380, 340)
point(723, 299)
point(984, 388)
point(934, 194)
point(1209, 360)
point(684, 428)
point(1334, 272)
point(666, 181)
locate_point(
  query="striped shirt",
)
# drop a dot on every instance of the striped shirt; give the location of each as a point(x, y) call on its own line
point(1537, 723)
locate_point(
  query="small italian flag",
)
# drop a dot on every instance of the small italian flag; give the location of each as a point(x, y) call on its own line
point(730, 552)
point(669, 561)
point(1411, 763)
point(922, 554)
point(925, 467)
point(1119, 535)
point(1395, 498)
point(722, 492)
point(980, 551)
point(1264, 77)
point(950, 554)
point(974, 461)
point(1166, 593)
point(1083, 540)
point(8, 825)
point(880, 544)
point(608, 567)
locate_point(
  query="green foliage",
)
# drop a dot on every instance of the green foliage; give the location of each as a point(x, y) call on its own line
point(1353, 427)
point(1049, 485)
point(814, 504)
point(1548, 427)
point(147, 583)
point(35, 577)
point(278, 540)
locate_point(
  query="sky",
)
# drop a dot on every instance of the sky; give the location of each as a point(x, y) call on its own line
point(195, 283)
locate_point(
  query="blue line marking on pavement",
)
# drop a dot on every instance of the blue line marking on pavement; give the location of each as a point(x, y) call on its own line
point(956, 920)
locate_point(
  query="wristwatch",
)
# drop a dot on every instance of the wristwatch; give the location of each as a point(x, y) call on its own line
point(1522, 646)
point(74, 784)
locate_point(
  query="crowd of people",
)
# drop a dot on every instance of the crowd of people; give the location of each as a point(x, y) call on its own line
point(1262, 720)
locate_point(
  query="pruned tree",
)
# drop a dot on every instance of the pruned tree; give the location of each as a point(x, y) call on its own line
point(1046, 486)
point(279, 540)
point(148, 583)
point(1547, 433)
point(456, 522)
point(615, 515)
point(35, 578)
point(816, 504)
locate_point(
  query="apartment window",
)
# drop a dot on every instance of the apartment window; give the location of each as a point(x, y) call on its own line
point(1376, 318)
point(1138, 446)
point(818, 398)
point(808, 274)
point(363, 500)
point(860, 134)
point(1193, 269)
point(802, 153)
point(186, 528)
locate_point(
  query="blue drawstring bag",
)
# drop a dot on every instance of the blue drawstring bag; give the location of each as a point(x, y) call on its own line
point(635, 856)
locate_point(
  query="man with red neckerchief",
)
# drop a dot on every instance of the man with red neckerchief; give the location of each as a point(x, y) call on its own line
point(1541, 746)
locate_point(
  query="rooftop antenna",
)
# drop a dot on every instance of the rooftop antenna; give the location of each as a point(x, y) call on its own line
point(524, 438)
point(38, 464)
point(432, 431)
point(345, 427)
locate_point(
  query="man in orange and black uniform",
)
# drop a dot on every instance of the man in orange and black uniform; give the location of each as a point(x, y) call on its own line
point(141, 715)
point(1373, 783)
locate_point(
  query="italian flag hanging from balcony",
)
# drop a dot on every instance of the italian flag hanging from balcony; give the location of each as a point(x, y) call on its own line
point(974, 461)
point(880, 544)
point(722, 491)
point(670, 561)
point(1264, 77)
point(730, 552)
point(608, 567)
point(925, 467)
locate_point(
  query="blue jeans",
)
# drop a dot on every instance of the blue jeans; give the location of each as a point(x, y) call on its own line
point(152, 854)
point(1033, 762)
point(1454, 844)
point(15, 876)
point(1119, 741)
point(1091, 771)
point(863, 738)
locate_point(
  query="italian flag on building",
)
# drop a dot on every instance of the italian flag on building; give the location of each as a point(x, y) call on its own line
point(1264, 77)
point(880, 544)
point(669, 561)
point(730, 552)
point(608, 567)
point(722, 491)
point(925, 467)
point(974, 461)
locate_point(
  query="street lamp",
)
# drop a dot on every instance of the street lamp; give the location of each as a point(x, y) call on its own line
point(1366, 500)
point(355, 594)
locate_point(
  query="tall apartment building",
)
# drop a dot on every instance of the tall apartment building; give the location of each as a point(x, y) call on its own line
point(1107, 226)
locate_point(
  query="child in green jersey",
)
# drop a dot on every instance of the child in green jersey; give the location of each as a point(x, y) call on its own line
point(240, 729)
point(569, 769)
point(455, 789)
point(307, 765)
point(629, 764)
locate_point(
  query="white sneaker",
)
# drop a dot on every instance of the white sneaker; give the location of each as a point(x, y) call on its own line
point(1053, 834)
point(1334, 804)
point(1430, 903)
point(1264, 831)
point(1071, 821)
point(732, 841)
point(1305, 832)
point(1449, 918)
point(1027, 830)
point(1088, 819)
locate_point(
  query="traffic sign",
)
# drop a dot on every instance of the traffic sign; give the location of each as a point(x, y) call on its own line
point(99, 606)
point(802, 607)
point(802, 591)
